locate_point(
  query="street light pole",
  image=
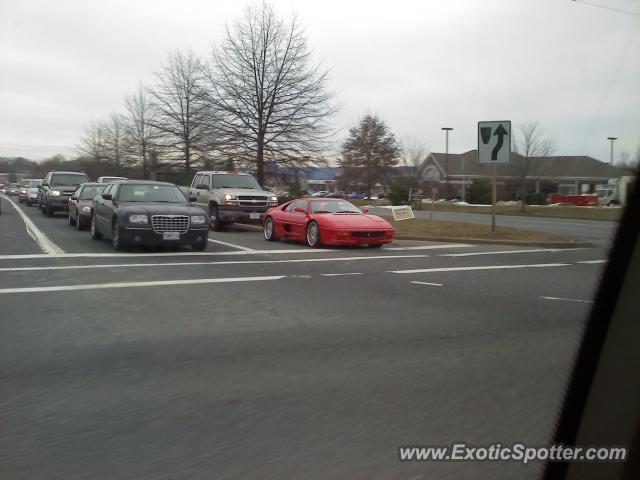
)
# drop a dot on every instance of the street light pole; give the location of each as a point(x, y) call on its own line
point(446, 160)
point(612, 139)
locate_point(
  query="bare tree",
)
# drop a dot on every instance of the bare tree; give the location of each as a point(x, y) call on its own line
point(114, 140)
point(269, 101)
point(139, 127)
point(414, 155)
point(180, 107)
point(369, 152)
point(530, 143)
point(93, 145)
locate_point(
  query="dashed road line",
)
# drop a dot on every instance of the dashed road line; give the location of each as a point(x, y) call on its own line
point(228, 262)
point(427, 283)
point(46, 245)
point(589, 262)
point(502, 252)
point(485, 267)
point(159, 283)
point(567, 299)
point(340, 274)
point(431, 247)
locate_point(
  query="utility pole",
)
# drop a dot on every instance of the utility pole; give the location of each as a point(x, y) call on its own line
point(612, 139)
point(446, 160)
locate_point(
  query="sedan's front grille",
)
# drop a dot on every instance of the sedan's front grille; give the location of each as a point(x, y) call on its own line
point(170, 223)
point(367, 234)
point(252, 201)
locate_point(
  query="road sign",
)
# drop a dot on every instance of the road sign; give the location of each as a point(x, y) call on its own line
point(402, 213)
point(494, 142)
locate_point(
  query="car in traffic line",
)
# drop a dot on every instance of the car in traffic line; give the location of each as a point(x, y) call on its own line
point(326, 221)
point(23, 190)
point(142, 212)
point(56, 188)
point(80, 204)
point(32, 191)
point(110, 179)
point(13, 189)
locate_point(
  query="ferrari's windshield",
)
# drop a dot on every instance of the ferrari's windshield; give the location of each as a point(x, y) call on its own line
point(333, 206)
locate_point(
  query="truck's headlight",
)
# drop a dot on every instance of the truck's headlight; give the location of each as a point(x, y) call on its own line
point(86, 209)
point(138, 219)
point(198, 219)
point(53, 193)
point(230, 200)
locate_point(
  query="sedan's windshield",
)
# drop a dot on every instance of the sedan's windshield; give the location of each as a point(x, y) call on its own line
point(132, 192)
point(34, 183)
point(90, 191)
point(333, 206)
point(25, 183)
point(235, 181)
point(68, 180)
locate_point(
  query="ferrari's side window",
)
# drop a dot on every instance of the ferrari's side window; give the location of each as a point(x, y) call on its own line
point(297, 204)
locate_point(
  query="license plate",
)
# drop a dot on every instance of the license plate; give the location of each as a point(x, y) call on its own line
point(254, 216)
point(171, 236)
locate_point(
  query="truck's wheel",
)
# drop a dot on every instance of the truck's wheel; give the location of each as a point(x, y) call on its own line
point(214, 218)
point(48, 210)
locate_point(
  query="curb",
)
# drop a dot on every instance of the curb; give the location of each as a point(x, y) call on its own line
point(489, 241)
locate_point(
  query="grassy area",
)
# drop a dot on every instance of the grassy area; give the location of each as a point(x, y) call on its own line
point(440, 228)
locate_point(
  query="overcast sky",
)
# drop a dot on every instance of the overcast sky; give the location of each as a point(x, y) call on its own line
point(419, 65)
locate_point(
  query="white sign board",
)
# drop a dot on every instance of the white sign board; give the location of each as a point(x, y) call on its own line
point(402, 213)
point(494, 142)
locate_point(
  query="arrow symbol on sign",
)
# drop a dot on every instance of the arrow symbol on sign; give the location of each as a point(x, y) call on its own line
point(500, 132)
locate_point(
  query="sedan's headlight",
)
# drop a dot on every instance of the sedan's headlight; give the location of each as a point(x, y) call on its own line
point(138, 219)
point(198, 219)
point(53, 193)
point(23, 191)
point(86, 209)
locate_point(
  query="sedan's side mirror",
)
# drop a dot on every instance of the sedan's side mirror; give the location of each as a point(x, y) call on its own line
point(73, 198)
point(300, 210)
point(107, 196)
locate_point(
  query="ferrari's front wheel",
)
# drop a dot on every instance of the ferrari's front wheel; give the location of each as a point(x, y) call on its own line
point(313, 234)
point(268, 230)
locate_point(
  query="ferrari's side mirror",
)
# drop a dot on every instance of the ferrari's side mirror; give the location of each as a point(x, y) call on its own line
point(300, 210)
point(365, 209)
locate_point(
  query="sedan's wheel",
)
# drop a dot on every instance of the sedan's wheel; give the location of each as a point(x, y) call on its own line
point(214, 216)
point(116, 239)
point(48, 211)
point(313, 234)
point(70, 219)
point(200, 247)
point(95, 234)
point(268, 229)
point(79, 225)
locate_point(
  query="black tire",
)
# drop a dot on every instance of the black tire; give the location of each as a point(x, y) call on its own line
point(116, 237)
point(313, 240)
point(79, 225)
point(200, 247)
point(214, 218)
point(268, 230)
point(27, 203)
point(48, 211)
point(375, 245)
point(71, 221)
point(95, 234)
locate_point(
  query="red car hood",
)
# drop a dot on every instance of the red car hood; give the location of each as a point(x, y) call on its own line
point(341, 220)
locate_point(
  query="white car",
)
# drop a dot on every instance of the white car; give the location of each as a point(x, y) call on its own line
point(111, 179)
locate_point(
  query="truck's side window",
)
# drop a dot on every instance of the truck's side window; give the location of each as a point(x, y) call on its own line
point(206, 179)
point(197, 180)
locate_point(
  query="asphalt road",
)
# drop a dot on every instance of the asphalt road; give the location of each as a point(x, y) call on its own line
point(599, 232)
point(261, 360)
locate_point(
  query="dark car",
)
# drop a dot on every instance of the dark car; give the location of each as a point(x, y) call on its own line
point(13, 189)
point(148, 213)
point(80, 204)
point(56, 189)
point(24, 190)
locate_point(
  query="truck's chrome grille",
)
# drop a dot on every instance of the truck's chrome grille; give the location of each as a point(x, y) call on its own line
point(170, 223)
point(252, 201)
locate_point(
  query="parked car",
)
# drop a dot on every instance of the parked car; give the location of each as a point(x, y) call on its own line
point(321, 193)
point(32, 192)
point(80, 204)
point(356, 196)
point(230, 197)
point(325, 221)
point(23, 191)
point(13, 189)
point(111, 179)
point(148, 213)
point(56, 188)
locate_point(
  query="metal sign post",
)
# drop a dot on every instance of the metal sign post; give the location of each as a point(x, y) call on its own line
point(434, 194)
point(494, 148)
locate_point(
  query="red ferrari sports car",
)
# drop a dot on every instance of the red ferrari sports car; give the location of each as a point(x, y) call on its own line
point(326, 221)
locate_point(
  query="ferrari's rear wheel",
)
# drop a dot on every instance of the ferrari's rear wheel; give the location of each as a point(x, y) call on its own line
point(375, 245)
point(268, 229)
point(313, 234)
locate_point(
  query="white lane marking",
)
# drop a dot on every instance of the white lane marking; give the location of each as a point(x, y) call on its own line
point(427, 283)
point(45, 244)
point(567, 299)
point(592, 261)
point(160, 283)
point(486, 267)
point(430, 247)
point(232, 245)
point(227, 262)
point(469, 254)
point(339, 274)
